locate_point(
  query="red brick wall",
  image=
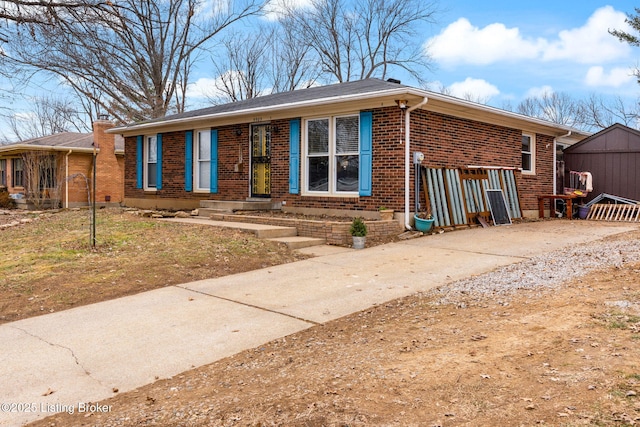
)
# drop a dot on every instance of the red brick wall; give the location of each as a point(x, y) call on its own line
point(445, 141)
point(529, 186)
point(81, 166)
point(109, 172)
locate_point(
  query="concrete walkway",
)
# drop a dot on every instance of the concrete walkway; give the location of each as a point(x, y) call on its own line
point(64, 360)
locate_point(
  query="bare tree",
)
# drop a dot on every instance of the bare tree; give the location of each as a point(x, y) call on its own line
point(363, 38)
point(293, 66)
point(39, 169)
point(600, 113)
point(273, 59)
point(21, 14)
point(49, 116)
point(555, 107)
point(242, 64)
point(131, 58)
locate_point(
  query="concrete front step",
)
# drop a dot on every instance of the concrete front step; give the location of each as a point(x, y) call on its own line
point(238, 205)
point(299, 242)
point(284, 235)
point(261, 231)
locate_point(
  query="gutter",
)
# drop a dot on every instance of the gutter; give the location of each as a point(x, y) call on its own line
point(407, 159)
point(66, 184)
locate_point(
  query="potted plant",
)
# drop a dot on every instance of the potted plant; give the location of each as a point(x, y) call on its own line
point(423, 221)
point(358, 231)
point(386, 214)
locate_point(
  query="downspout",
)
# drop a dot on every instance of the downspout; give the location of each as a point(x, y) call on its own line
point(407, 159)
point(555, 160)
point(66, 181)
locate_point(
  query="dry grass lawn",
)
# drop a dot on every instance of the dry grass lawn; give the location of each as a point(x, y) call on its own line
point(49, 265)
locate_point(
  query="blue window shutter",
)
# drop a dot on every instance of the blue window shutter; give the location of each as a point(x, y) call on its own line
point(159, 165)
point(366, 153)
point(294, 156)
point(214, 161)
point(188, 161)
point(139, 160)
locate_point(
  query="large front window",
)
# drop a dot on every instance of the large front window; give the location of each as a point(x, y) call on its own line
point(332, 155)
point(151, 161)
point(202, 160)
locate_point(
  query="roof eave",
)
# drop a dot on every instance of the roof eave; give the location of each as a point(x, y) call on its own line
point(445, 104)
point(21, 148)
point(131, 129)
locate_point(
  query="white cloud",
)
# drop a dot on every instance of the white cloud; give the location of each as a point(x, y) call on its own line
point(461, 42)
point(616, 77)
point(274, 9)
point(591, 43)
point(203, 88)
point(539, 92)
point(477, 90)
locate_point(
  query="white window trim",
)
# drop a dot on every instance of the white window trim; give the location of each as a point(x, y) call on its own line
point(331, 192)
point(145, 171)
point(196, 163)
point(532, 153)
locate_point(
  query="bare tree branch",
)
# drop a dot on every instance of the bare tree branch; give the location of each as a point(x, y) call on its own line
point(364, 38)
point(131, 59)
point(49, 116)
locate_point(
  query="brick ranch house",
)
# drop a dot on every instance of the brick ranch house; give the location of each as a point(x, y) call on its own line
point(343, 149)
point(59, 168)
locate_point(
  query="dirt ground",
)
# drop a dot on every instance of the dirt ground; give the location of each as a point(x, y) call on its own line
point(563, 357)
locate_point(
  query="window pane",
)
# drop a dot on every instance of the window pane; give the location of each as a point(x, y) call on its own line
point(526, 143)
point(347, 173)
point(16, 165)
point(318, 174)
point(204, 175)
point(347, 134)
point(204, 145)
point(151, 174)
point(526, 162)
point(318, 136)
point(152, 147)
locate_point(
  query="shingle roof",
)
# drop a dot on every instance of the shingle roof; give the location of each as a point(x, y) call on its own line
point(65, 140)
point(300, 95)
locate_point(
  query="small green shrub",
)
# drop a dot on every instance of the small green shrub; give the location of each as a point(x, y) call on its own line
point(6, 202)
point(358, 227)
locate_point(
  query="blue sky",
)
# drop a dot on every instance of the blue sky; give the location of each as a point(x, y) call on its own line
point(501, 52)
point(505, 51)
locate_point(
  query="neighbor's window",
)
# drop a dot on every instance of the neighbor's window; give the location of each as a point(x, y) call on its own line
point(48, 173)
point(202, 160)
point(17, 172)
point(528, 144)
point(150, 161)
point(3, 172)
point(332, 154)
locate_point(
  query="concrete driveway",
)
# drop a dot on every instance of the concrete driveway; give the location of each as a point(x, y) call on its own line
point(61, 361)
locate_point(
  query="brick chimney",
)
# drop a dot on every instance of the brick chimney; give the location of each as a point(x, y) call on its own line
point(109, 167)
